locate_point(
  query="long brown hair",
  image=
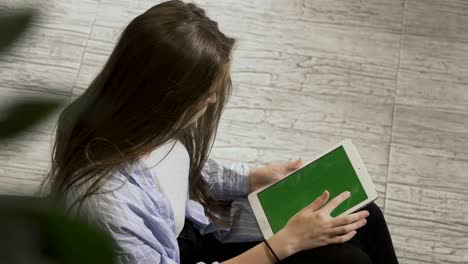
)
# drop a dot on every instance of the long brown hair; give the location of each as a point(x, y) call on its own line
point(166, 64)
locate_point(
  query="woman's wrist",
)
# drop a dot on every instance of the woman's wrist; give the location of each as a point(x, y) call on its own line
point(283, 244)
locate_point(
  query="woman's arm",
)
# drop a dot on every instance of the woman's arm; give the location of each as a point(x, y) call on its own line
point(233, 181)
point(226, 181)
point(261, 254)
point(311, 227)
point(241, 223)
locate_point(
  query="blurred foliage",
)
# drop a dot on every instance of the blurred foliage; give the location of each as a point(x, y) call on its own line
point(32, 229)
point(35, 230)
point(13, 25)
point(23, 115)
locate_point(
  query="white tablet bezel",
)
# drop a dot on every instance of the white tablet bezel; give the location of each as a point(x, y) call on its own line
point(358, 166)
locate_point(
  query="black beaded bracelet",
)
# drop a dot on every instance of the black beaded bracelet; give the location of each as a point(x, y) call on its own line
point(274, 254)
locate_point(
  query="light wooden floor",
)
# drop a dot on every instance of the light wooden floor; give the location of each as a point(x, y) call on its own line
point(392, 75)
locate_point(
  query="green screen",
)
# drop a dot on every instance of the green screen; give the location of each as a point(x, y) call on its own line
point(332, 172)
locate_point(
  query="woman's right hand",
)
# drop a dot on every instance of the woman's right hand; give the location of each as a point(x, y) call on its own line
point(314, 227)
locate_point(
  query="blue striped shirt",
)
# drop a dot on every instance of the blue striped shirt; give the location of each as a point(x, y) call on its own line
point(131, 208)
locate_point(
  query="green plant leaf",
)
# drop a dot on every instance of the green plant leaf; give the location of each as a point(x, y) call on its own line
point(12, 25)
point(23, 115)
point(74, 242)
point(38, 230)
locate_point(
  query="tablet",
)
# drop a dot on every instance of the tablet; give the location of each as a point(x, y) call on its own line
point(337, 170)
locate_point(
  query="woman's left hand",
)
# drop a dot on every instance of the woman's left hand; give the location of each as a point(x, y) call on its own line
point(263, 176)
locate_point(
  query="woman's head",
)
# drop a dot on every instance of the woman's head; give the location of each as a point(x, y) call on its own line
point(167, 64)
point(167, 78)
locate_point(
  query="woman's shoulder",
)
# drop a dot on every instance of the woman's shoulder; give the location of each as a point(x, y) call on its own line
point(124, 188)
point(124, 210)
point(172, 149)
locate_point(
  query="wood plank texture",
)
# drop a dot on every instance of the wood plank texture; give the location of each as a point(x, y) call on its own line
point(392, 75)
point(427, 226)
point(427, 181)
point(442, 19)
point(288, 80)
point(43, 64)
point(48, 57)
point(306, 74)
point(434, 73)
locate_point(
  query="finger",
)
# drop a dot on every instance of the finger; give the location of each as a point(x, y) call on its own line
point(296, 164)
point(347, 219)
point(340, 230)
point(293, 165)
point(328, 208)
point(319, 201)
point(342, 238)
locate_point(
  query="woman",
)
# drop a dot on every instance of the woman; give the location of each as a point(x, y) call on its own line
point(131, 154)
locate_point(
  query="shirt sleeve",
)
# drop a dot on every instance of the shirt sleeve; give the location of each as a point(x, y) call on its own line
point(142, 236)
point(241, 223)
point(227, 181)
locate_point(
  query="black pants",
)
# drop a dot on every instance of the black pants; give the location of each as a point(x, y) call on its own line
point(371, 244)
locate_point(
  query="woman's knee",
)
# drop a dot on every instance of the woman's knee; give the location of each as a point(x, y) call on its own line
point(375, 213)
point(353, 254)
point(330, 254)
